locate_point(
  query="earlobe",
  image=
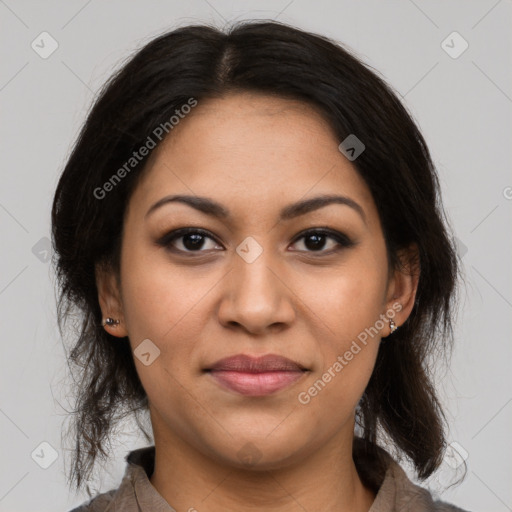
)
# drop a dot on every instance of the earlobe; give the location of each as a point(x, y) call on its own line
point(109, 298)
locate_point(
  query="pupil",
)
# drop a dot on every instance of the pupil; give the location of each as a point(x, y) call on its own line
point(320, 239)
point(197, 241)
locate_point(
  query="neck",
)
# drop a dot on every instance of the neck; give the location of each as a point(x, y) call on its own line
point(326, 479)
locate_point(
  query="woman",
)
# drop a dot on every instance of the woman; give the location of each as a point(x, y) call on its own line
point(250, 226)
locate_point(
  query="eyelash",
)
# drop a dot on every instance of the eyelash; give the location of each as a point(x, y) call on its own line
point(343, 241)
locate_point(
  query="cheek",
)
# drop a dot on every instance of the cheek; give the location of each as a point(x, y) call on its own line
point(157, 296)
point(166, 309)
point(351, 299)
point(349, 306)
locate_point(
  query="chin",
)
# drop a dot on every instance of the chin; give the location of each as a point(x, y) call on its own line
point(260, 451)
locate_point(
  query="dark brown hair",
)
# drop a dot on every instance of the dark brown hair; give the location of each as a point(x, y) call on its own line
point(271, 58)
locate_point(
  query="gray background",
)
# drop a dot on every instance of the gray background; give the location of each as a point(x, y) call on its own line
point(463, 106)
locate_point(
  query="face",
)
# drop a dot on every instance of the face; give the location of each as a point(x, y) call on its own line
point(263, 278)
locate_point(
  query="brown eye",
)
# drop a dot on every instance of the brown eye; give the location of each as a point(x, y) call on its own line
point(188, 240)
point(194, 240)
point(317, 240)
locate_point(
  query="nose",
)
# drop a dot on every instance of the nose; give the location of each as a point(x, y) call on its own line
point(256, 297)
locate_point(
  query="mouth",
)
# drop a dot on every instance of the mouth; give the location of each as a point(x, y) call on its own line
point(258, 376)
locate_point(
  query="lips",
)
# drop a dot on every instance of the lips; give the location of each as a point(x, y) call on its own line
point(248, 364)
point(259, 376)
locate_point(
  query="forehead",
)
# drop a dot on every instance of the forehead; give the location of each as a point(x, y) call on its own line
point(249, 150)
point(251, 127)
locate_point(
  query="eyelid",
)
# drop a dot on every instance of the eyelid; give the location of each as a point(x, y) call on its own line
point(340, 237)
point(165, 240)
point(343, 241)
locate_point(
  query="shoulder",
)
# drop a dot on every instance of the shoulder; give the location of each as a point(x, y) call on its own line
point(139, 463)
point(410, 496)
point(394, 490)
point(97, 503)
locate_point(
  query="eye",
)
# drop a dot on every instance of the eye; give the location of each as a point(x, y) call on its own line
point(315, 240)
point(187, 240)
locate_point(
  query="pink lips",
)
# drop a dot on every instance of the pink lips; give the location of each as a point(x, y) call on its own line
point(256, 376)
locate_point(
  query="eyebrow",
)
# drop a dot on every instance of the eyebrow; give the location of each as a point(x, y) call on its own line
point(214, 209)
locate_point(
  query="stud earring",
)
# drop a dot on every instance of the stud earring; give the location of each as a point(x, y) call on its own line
point(392, 327)
point(110, 322)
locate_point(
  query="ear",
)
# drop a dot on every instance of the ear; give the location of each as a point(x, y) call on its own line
point(403, 285)
point(109, 298)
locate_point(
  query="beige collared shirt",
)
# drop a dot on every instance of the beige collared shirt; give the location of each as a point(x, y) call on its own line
point(395, 493)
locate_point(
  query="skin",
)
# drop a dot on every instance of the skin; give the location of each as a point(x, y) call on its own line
point(254, 154)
